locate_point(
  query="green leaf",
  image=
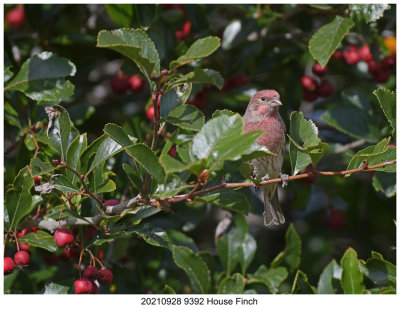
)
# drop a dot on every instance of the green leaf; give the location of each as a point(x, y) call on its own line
point(90, 152)
point(147, 159)
point(9, 280)
point(373, 155)
point(107, 149)
point(368, 12)
point(291, 255)
point(134, 44)
point(168, 290)
point(172, 186)
point(228, 249)
point(247, 251)
point(119, 135)
point(352, 279)
point(199, 49)
point(305, 146)
point(327, 39)
point(146, 15)
point(186, 117)
point(121, 14)
point(331, 271)
point(133, 176)
point(194, 267)
point(74, 152)
point(42, 78)
point(272, 278)
point(352, 121)
point(230, 200)
point(11, 116)
point(301, 284)
point(40, 239)
point(18, 198)
point(231, 285)
point(223, 112)
point(387, 101)
point(53, 288)
point(180, 239)
point(154, 236)
point(40, 165)
point(62, 183)
point(171, 165)
point(385, 183)
point(108, 186)
point(379, 271)
point(200, 76)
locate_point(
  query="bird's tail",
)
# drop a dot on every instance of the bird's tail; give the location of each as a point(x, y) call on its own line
point(273, 214)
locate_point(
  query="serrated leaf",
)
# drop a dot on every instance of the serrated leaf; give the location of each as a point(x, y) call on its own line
point(352, 121)
point(119, 135)
point(223, 112)
point(368, 12)
point(385, 183)
point(194, 267)
point(74, 152)
point(200, 76)
point(134, 44)
point(42, 78)
point(199, 49)
point(305, 146)
point(40, 165)
point(90, 152)
point(186, 117)
point(146, 15)
point(352, 279)
point(231, 285)
point(40, 239)
point(147, 159)
point(329, 273)
point(107, 149)
point(387, 101)
point(326, 40)
point(230, 200)
point(272, 278)
point(62, 183)
point(121, 14)
point(133, 176)
point(301, 284)
point(18, 198)
point(53, 288)
point(171, 165)
point(172, 186)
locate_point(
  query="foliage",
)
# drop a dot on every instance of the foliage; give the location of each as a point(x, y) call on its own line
point(72, 144)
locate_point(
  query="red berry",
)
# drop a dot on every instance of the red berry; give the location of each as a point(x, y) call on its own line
point(119, 83)
point(136, 82)
point(22, 258)
point(309, 95)
point(319, 69)
point(309, 179)
point(337, 54)
point(365, 53)
point(111, 202)
point(91, 272)
point(83, 286)
point(150, 112)
point(63, 237)
point(181, 34)
point(25, 232)
point(8, 265)
point(105, 276)
point(351, 55)
point(325, 89)
point(95, 289)
point(373, 67)
point(100, 254)
point(389, 62)
point(172, 151)
point(336, 219)
point(186, 27)
point(382, 75)
point(36, 179)
point(308, 83)
point(16, 17)
point(69, 254)
point(23, 246)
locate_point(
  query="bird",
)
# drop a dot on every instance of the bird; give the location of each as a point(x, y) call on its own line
point(262, 113)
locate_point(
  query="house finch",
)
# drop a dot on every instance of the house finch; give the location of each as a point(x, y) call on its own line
point(262, 114)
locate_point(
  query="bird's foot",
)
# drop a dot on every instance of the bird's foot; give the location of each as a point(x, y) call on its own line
point(284, 178)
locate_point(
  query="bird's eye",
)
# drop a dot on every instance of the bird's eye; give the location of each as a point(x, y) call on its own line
point(263, 98)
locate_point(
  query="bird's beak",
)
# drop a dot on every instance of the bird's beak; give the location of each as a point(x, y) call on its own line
point(275, 103)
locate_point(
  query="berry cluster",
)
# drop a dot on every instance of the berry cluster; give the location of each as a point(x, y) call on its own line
point(312, 89)
point(184, 32)
point(120, 83)
point(88, 284)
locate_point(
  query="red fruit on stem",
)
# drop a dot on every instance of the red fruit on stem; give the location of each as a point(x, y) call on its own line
point(91, 273)
point(23, 246)
point(382, 75)
point(181, 34)
point(373, 67)
point(119, 83)
point(365, 53)
point(36, 179)
point(351, 55)
point(319, 69)
point(337, 54)
point(150, 112)
point(186, 27)
point(310, 95)
point(15, 18)
point(83, 286)
point(336, 219)
point(389, 62)
point(111, 202)
point(308, 83)
point(25, 232)
point(63, 237)
point(136, 83)
point(70, 254)
point(21, 258)
point(172, 151)
point(325, 89)
point(105, 276)
point(8, 265)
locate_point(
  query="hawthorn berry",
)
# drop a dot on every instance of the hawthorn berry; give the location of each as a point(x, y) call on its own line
point(337, 54)
point(310, 95)
point(150, 112)
point(69, 254)
point(351, 55)
point(8, 265)
point(21, 258)
point(105, 276)
point(63, 237)
point(91, 273)
point(336, 219)
point(389, 62)
point(23, 246)
point(15, 18)
point(382, 75)
point(136, 83)
point(119, 83)
point(184, 32)
point(83, 286)
point(111, 202)
point(319, 69)
point(325, 89)
point(308, 83)
point(373, 67)
point(36, 179)
point(95, 289)
point(172, 151)
point(365, 53)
